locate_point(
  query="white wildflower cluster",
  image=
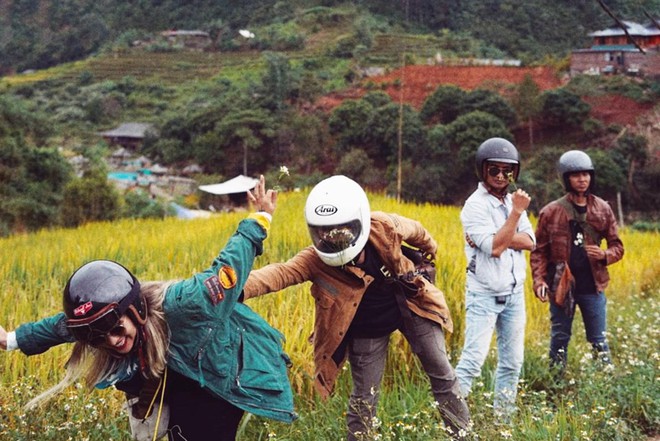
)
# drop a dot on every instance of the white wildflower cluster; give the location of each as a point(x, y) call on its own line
point(282, 174)
point(506, 434)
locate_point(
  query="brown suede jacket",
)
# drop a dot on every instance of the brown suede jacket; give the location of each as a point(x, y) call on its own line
point(553, 240)
point(337, 291)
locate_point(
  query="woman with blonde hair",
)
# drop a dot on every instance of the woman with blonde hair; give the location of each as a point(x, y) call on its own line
point(192, 343)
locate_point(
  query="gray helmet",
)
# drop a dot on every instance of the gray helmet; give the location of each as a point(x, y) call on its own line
point(575, 161)
point(497, 150)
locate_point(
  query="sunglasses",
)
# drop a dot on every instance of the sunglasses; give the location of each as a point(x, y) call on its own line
point(494, 170)
point(94, 330)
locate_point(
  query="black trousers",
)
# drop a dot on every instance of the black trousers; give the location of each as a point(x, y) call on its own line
point(196, 415)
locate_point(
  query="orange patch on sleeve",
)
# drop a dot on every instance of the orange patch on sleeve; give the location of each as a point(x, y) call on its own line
point(228, 277)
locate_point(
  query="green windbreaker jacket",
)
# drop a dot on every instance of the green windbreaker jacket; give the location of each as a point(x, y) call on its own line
point(215, 340)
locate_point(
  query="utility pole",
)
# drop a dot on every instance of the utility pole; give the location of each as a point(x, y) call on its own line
point(399, 172)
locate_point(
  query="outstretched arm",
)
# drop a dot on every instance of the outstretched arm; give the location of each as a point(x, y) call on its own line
point(37, 337)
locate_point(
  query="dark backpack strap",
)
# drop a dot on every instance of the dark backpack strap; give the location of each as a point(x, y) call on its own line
point(580, 218)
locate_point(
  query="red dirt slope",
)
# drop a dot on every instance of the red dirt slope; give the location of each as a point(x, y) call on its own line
point(616, 109)
point(420, 80)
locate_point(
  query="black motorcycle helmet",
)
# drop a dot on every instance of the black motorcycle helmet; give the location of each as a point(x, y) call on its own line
point(575, 161)
point(497, 150)
point(96, 296)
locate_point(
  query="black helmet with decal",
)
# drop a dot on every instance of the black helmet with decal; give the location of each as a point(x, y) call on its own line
point(97, 294)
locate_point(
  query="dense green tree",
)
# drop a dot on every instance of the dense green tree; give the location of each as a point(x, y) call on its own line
point(216, 28)
point(277, 81)
point(610, 176)
point(468, 131)
point(443, 105)
point(310, 88)
point(464, 135)
point(349, 121)
point(31, 183)
point(424, 182)
point(647, 182)
point(393, 124)
point(490, 102)
point(357, 165)
point(635, 153)
point(377, 98)
point(634, 148)
point(538, 177)
point(562, 107)
point(234, 140)
point(280, 37)
point(527, 104)
point(306, 144)
point(32, 176)
point(17, 120)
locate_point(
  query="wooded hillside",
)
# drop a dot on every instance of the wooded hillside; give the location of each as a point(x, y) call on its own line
point(35, 34)
point(319, 89)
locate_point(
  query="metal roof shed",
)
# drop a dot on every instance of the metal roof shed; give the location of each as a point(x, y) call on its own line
point(239, 184)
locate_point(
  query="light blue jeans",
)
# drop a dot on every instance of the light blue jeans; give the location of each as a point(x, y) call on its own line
point(483, 316)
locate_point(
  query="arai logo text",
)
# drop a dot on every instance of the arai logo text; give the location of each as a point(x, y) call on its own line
point(325, 210)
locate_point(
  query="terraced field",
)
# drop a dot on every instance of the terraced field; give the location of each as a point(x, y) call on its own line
point(186, 65)
point(166, 67)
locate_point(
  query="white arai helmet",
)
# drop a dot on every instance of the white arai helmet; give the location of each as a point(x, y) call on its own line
point(338, 217)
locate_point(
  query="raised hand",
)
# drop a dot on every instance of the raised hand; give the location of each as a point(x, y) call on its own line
point(262, 199)
point(520, 200)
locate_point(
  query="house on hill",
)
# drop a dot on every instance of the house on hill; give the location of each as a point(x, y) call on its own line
point(612, 52)
point(128, 135)
point(193, 39)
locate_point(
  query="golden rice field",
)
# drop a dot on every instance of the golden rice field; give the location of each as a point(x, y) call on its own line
point(35, 267)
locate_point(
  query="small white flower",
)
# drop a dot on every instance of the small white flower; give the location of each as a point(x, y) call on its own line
point(505, 434)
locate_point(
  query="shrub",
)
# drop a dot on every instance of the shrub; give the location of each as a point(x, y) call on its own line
point(138, 204)
point(90, 198)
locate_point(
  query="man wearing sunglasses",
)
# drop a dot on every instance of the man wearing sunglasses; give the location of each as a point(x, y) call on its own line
point(497, 231)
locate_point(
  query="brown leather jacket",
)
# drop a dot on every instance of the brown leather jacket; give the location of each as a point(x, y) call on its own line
point(337, 291)
point(553, 240)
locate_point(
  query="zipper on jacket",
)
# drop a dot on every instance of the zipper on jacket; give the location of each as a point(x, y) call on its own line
point(202, 345)
point(239, 362)
point(200, 352)
point(444, 319)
